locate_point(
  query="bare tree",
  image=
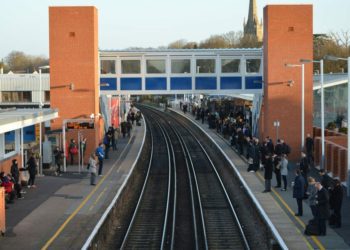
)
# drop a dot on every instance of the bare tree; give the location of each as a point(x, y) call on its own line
point(18, 61)
point(179, 44)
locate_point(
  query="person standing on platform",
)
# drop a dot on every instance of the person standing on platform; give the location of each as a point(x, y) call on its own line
point(93, 162)
point(58, 160)
point(336, 200)
point(312, 191)
point(304, 170)
point(31, 168)
point(277, 162)
point(82, 148)
point(107, 142)
point(123, 128)
point(100, 155)
point(15, 170)
point(298, 191)
point(73, 150)
point(322, 203)
point(326, 180)
point(309, 145)
point(114, 141)
point(268, 172)
point(284, 171)
point(15, 178)
point(254, 154)
point(202, 114)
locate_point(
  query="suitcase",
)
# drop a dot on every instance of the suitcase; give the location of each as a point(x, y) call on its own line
point(312, 228)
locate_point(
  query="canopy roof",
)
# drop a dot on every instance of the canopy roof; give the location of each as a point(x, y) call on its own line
point(12, 119)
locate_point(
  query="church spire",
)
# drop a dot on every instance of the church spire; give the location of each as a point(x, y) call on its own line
point(253, 26)
point(253, 13)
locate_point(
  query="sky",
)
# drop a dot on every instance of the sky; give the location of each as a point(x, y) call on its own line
point(145, 23)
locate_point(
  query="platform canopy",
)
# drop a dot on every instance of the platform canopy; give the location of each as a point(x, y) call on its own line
point(12, 119)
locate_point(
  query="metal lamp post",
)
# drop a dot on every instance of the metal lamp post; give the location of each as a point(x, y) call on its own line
point(322, 108)
point(333, 58)
point(302, 100)
point(40, 124)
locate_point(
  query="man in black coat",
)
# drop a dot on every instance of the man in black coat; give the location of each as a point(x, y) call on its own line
point(268, 172)
point(304, 170)
point(326, 180)
point(31, 168)
point(309, 145)
point(299, 191)
point(278, 157)
point(322, 204)
point(335, 202)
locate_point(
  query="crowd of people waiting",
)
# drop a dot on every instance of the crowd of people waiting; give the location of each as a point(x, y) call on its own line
point(324, 197)
point(11, 181)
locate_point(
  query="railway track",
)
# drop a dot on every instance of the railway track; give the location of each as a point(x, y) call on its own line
point(198, 213)
point(147, 229)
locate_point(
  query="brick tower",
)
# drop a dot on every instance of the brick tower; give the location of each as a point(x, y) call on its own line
point(74, 60)
point(288, 37)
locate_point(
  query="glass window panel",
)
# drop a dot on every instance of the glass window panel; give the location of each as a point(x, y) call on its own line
point(9, 142)
point(47, 96)
point(253, 65)
point(27, 96)
point(16, 96)
point(6, 96)
point(131, 67)
point(230, 65)
point(181, 66)
point(155, 66)
point(205, 66)
point(107, 67)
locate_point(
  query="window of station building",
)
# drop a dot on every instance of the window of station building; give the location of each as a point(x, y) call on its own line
point(10, 142)
point(155, 66)
point(253, 65)
point(107, 67)
point(131, 66)
point(205, 66)
point(16, 96)
point(47, 96)
point(180, 66)
point(230, 65)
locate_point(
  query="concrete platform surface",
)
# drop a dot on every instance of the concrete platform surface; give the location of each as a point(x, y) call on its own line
point(63, 210)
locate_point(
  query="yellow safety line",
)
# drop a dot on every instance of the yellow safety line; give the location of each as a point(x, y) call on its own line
point(60, 229)
point(98, 198)
point(314, 238)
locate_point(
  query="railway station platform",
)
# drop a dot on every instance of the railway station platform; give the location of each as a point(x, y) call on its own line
point(280, 205)
point(63, 210)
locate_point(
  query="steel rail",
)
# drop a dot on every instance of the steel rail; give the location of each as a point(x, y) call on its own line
point(239, 226)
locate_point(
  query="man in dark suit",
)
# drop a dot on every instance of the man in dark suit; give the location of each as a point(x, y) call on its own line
point(309, 145)
point(322, 204)
point(299, 191)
